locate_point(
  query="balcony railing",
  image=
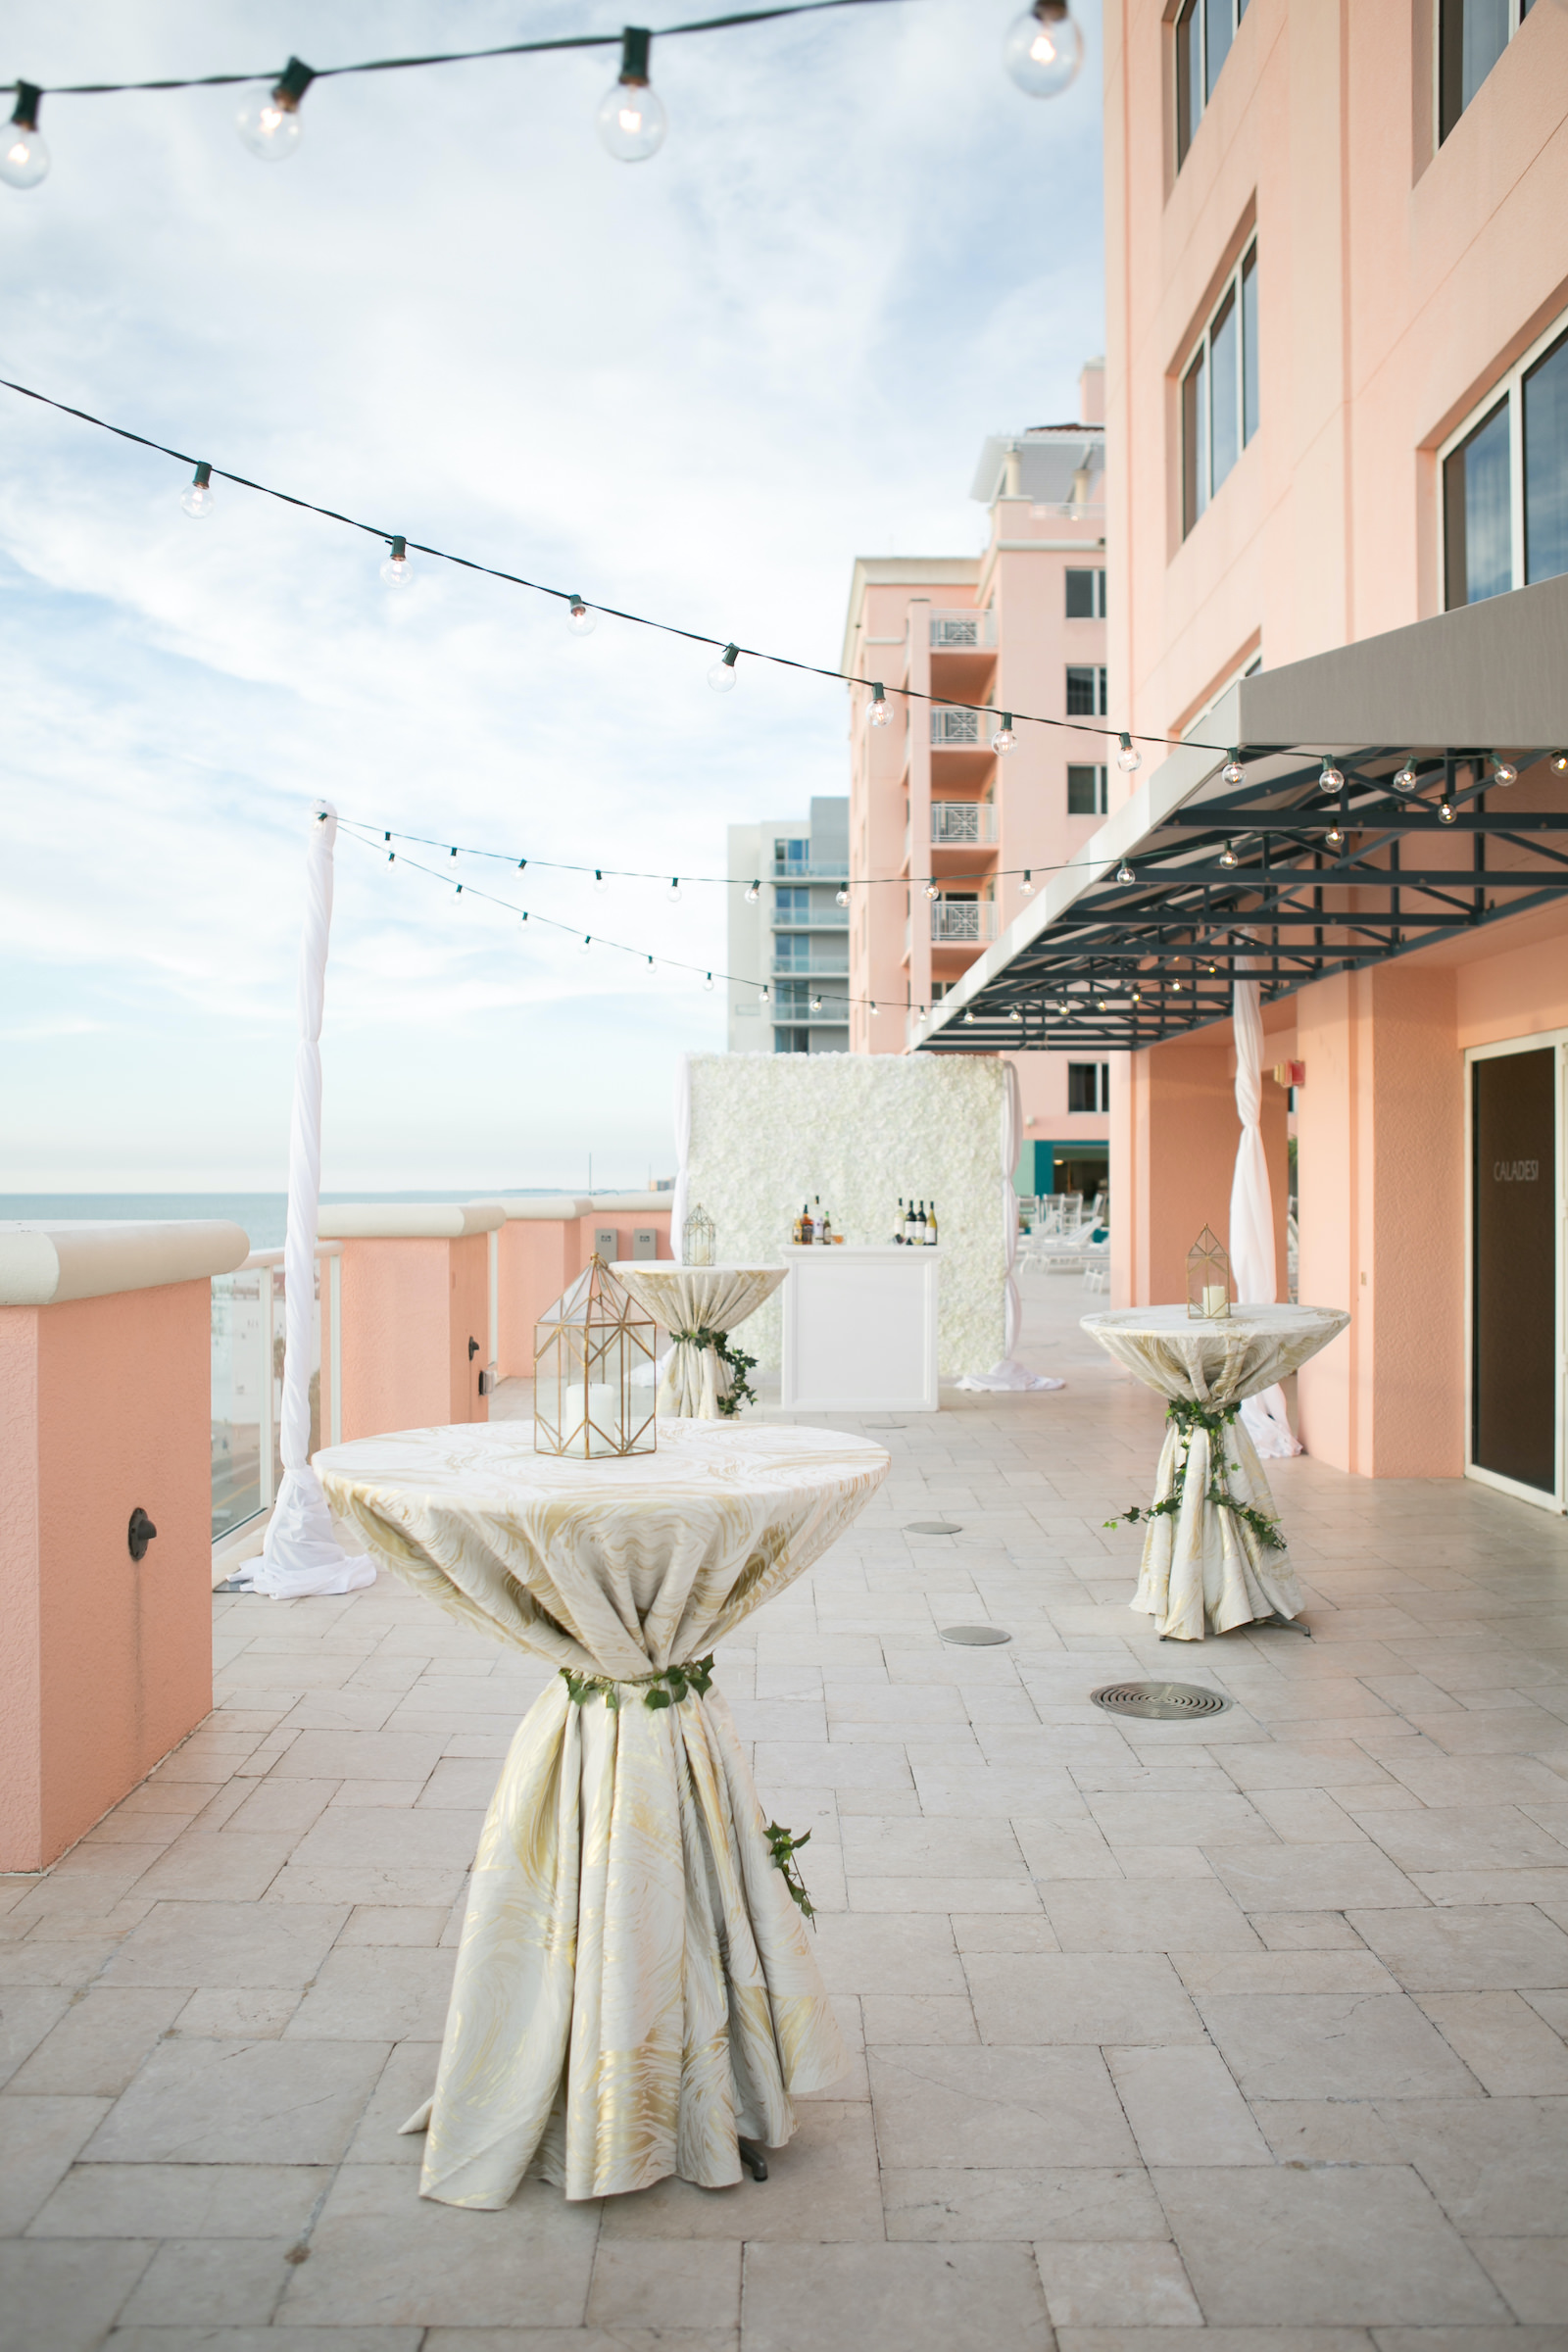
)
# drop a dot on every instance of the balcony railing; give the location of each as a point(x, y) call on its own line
point(821, 967)
point(961, 632)
point(963, 824)
point(959, 922)
point(795, 1004)
point(960, 730)
point(248, 1381)
point(786, 871)
point(820, 918)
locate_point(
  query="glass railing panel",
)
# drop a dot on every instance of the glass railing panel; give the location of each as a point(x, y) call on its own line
point(241, 1419)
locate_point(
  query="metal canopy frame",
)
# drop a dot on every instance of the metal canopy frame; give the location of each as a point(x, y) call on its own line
point(1278, 880)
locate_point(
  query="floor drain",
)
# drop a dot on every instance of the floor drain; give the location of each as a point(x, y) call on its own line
point(1159, 1703)
point(931, 1527)
point(974, 1637)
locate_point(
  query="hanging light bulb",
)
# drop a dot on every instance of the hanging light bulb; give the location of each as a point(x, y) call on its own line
point(1026, 886)
point(1505, 773)
point(587, 942)
point(881, 713)
point(841, 896)
point(1233, 773)
point(1138, 995)
point(753, 890)
point(198, 496)
point(581, 618)
point(1335, 838)
point(1018, 1012)
point(1227, 856)
point(271, 127)
point(24, 154)
point(1405, 780)
point(931, 888)
point(1559, 760)
point(674, 892)
point(1044, 49)
point(722, 677)
point(1003, 741)
point(969, 1016)
point(397, 570)
point(764, 994)
point(874, 1010)
point(1125, 874)
point(1331, 779)
point(707, 977)
point(631, 120)
point(1128, 759)
point(1447, 811)
point(814, 1003)
point(599, 879)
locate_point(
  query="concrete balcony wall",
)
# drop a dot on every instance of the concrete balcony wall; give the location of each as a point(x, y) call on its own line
point(415, 1290)
point(104, 1405)
point(544, 1243)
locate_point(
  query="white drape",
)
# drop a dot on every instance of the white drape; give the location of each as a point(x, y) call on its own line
point(683, 1153)
point(1253, 1260)
point(1008, 1374)
point(302, 1553)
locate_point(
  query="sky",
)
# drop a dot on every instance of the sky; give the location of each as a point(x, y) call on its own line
point(696, 387)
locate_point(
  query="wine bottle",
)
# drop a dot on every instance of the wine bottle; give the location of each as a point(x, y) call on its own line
point(920, 1225)
point(898, 1223)
point(931, 1228)
point(910, 1229)
point(808, 1237)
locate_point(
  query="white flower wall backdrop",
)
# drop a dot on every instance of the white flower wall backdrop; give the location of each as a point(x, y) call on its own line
point(772, 1130)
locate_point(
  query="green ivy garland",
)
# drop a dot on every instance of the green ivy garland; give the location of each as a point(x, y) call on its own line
point(785, 1845)
point(1189, 1415)
point(740, 1393)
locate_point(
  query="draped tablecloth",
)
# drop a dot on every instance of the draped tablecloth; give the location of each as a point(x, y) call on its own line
point(1207, 1565)
point(686, 1300)
point(635, 1989)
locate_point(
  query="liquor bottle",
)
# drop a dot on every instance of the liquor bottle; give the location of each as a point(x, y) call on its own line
point(931, 1228)
point(808, 1237)
point(819, 1222)
point(920, 1234)
point(898, 1223)
point(910, 1229)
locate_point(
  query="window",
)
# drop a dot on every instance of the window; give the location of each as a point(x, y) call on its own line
point(1086, 690)
point(792, 905)
point(1472, 35)
point(792, 948)
point(792, 1041)
point(1086, 791)
point(1220, 392)
point(1205, 31)
point(1088, 1086)
point(1505, 484)
point(792, 853)
point(1086, 596)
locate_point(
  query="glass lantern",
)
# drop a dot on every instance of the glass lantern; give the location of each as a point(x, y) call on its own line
point(1209, 1279)
point(593, 1393)
point(697, 1238)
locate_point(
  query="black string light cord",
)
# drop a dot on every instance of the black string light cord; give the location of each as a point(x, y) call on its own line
point(438, 57)
point(400, 545)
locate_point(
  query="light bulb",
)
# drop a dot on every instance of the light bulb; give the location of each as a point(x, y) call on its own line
point(672, 893)
point(753, 890)
point(881, 709)
point(707, 977)
point(1233, 773)
point(631, 120)
point(198, 496)
point(1335, 838)
point(1018, 1012)
point(581, 618)
point(841, 896)
point(23, 155)
point(764, 994)
point(1406, 779)
point(1003, 741)
point(931, 889)
point(397, 569)
point(587, 942)
point(1138, 995)
point(1332, 779)
point(814, 1003)
point(271, 127)
point(1044, 49)
point(1128, 759)
point(1505, 772)
point(1125, 874)
point(599, 879)
point(1027, 885)
point(722, 677)
point(1447, 811)
point(1559, 760)
point(1227, 856)
point(874, 1010)
point(969, 1017)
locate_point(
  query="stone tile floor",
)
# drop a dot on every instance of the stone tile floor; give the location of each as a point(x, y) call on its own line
point(1251, 2026)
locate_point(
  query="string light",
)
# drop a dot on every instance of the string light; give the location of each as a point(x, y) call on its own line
point(23, 155)
point(599, 879)
point(931, 890)
point(1331, 779)
point(707, 977)
point(1044, 49)
point(881, 712)
point(874, 1010)
point(198, 496)
point(397, 570)
point(1505, 773)
point(841, 896)
point(631, 120)
point(1125, 874)
point(1559, 760)
point(1335, 838)
point(271, 127)
point(1404, 778)
point(1227, 856)
point(1128, 759)
point(753, 890)
point(1447, 811)
point(814, 1003)
point(1026, 886)
point(1233, 773)
point(969, 1018)
point(674, 892)
point(581, 618)
point(764, 994)
point(1003, 741)
point(722, 677)
point(587, 942)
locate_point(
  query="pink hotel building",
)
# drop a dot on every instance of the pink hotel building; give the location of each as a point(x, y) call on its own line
point(1337, 491)
point(959, 837)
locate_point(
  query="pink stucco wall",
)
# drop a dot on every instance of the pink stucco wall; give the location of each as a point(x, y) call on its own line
point(1174, 1134)
point(539, 1257)
point(409, 1307)
point(105, 1663)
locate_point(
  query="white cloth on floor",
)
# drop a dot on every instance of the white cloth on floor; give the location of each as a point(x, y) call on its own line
point(1010, 1375)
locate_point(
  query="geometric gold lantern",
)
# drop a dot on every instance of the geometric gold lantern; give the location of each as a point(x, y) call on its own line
point(1209, 1279)
point(697, 1238)
point(587, 1350)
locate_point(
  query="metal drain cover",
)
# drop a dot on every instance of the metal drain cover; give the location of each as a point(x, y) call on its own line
point(974, 1637)
point(931, 1527)
point(1159, 1703)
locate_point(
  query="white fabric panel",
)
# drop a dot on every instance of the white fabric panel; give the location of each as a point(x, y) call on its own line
point(302, 1553)
point(1252, 1212)
point(683, 1153)
point(1008, 1374)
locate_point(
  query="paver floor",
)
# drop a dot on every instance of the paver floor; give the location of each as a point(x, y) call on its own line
point(1252, 2026)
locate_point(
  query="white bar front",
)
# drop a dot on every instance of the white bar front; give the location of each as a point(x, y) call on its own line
point(860, 1331)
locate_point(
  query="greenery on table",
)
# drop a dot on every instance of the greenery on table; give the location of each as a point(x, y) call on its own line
point(666, 1689)
point(785, 1845)
point(740, 1393)
point(1189, 1415)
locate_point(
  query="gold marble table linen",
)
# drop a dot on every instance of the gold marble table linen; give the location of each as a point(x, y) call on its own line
point(1204, 1569)
point(635, 1989)
point(696, 1299)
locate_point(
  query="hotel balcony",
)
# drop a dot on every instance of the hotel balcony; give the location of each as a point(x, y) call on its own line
point(821, 967)
point(963, 922)
point(963, 631)
point(963, 825)
point(824, 918)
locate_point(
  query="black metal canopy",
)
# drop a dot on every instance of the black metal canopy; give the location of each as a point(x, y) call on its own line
point(1288, 865)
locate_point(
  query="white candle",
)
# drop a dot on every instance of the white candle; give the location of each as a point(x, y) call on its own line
point(1217, 1299)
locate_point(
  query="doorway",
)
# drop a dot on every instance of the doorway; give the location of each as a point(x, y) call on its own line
point(1515, 1406)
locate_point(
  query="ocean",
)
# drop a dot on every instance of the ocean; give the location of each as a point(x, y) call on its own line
point(260, 1214)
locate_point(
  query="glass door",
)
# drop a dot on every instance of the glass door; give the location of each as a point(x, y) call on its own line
point(1516, 1206)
